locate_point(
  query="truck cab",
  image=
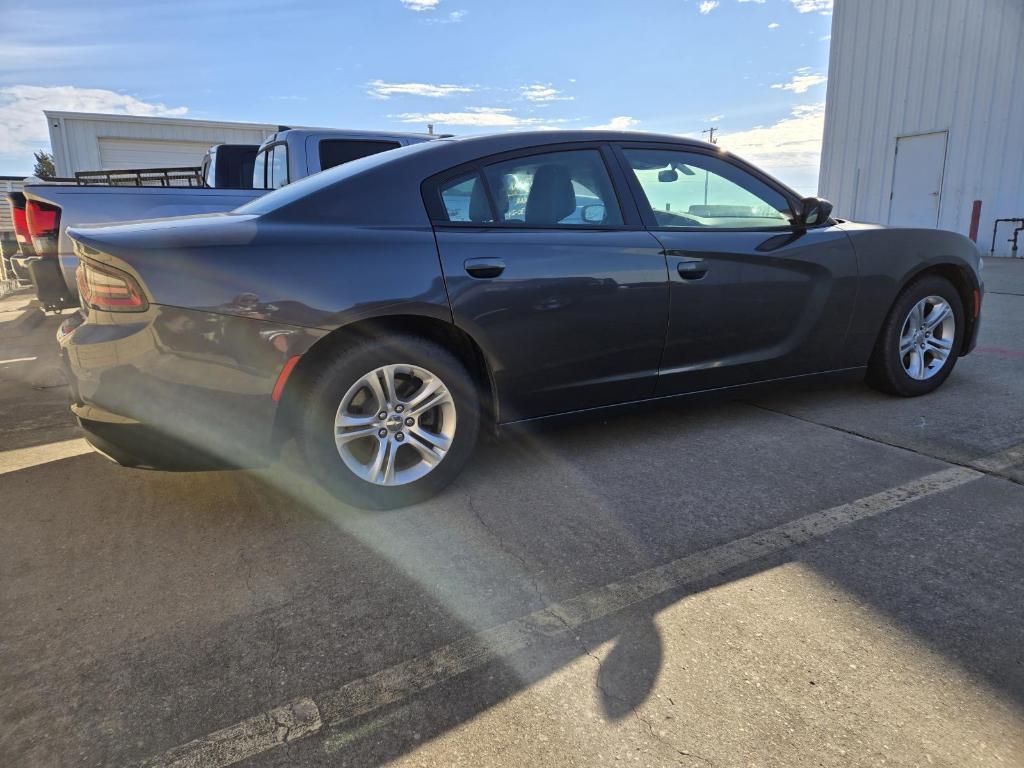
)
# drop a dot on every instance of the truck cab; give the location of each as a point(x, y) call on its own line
point(295, 153)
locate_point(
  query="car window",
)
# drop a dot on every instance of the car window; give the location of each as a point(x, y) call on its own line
point(338, 151)
point(259, 171)
point(465, 199)
point(689, 189)
point(554, 188)
point(277, 167)
point(210, 170)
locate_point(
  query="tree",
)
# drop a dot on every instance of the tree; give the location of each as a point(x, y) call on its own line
point(45, 169)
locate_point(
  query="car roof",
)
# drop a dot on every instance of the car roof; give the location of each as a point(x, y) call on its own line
point(536, 138)
point(343, 133)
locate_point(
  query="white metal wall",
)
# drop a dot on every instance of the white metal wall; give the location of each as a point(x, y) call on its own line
point(902, 67)
point(76, 138)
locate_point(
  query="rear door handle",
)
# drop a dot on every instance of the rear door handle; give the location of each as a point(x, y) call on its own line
point(483, 267)
point(692, 269)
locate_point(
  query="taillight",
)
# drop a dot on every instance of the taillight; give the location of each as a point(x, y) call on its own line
point(21, 225)
point(109, 289)
point(43, 222)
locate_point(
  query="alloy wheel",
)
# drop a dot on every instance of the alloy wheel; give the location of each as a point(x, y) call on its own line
point(395, 424)
point(927, 337)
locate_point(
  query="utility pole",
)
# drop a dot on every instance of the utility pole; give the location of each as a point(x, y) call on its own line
point(710, 133)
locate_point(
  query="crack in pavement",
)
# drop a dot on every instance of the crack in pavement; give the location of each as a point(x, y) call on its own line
point(986, 467)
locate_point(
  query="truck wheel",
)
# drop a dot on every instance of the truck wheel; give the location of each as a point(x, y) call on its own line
point(920, 340)
point(389, 422)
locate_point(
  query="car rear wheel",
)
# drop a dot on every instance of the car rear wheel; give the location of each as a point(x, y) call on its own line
point(920, 340)
point(390, 422)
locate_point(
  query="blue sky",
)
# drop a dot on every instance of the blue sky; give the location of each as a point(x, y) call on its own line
point(755, 69)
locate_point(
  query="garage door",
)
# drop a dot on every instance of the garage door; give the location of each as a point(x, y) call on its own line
point(117, 154)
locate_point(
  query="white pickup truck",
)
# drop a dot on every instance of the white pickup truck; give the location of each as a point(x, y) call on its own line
point(49, 208)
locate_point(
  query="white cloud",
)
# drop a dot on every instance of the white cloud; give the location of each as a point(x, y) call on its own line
point(619, 123)
point(801, 83)
point(452, 18)
point(813, 6)
point(541, 92)
point(774, 25)
point(484, 117)
point(378, 89)
point(22, 125)
point(790, 148)
point(420, 5)
point(713, 118)
point(759, 2)
point(707, 6)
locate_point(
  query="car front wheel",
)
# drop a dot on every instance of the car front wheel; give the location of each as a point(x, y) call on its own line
point(390, 422)
point(920, 341)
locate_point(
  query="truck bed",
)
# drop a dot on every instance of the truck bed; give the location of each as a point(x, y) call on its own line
point(118, 204)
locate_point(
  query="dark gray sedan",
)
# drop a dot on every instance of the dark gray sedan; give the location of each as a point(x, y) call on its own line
point(382, 313)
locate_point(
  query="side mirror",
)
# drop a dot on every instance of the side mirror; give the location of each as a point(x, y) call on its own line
point(814, 211)
point(667, 175)
point(593, 213)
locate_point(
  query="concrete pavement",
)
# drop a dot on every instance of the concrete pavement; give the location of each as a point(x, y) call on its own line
point(777, 580)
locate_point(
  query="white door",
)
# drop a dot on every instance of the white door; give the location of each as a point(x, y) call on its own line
point(119, 154)
point(917, 180)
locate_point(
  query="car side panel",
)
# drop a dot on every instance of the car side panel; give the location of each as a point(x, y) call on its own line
point(888, 259)
point(312, 276)
point(196, 378)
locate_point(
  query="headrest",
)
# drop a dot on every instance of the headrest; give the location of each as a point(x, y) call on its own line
point(551, 197)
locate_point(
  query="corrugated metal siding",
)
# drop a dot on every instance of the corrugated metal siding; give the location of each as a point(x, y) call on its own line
point(902, 67)
point(118, 154)
point(76, 139)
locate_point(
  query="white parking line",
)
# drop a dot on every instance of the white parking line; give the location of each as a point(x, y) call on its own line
point(306, 716)
point(23, 458)
point(18, 360)
point(1001, 461)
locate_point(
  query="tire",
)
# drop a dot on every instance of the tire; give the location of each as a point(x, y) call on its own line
point(343, 388)
point(890, 369)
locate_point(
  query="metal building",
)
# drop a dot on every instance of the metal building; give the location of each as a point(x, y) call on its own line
point(89, 142)
point(924, 116)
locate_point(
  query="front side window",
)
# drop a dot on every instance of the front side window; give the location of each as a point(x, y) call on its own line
point(552, 189)
point(277, 167)
point(259, 171)
point(210, 177)
point(693, 190)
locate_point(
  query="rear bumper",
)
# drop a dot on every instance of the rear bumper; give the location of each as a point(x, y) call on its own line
point(176, 389)
point(48, 281)
point(131, 444)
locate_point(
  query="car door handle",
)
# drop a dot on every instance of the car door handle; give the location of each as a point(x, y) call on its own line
point(692, 269)
point(484, 267)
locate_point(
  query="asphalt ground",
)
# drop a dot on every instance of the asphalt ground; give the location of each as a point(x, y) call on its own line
point(820, 575)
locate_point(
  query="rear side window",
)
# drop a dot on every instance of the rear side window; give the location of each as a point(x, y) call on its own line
point(465, 199)
point(550, 189)
point(339, 151)
point(554, 188)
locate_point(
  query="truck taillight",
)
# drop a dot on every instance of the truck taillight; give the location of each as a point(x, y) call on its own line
point(21, 225)
point(43, 222)
point(109, 289)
